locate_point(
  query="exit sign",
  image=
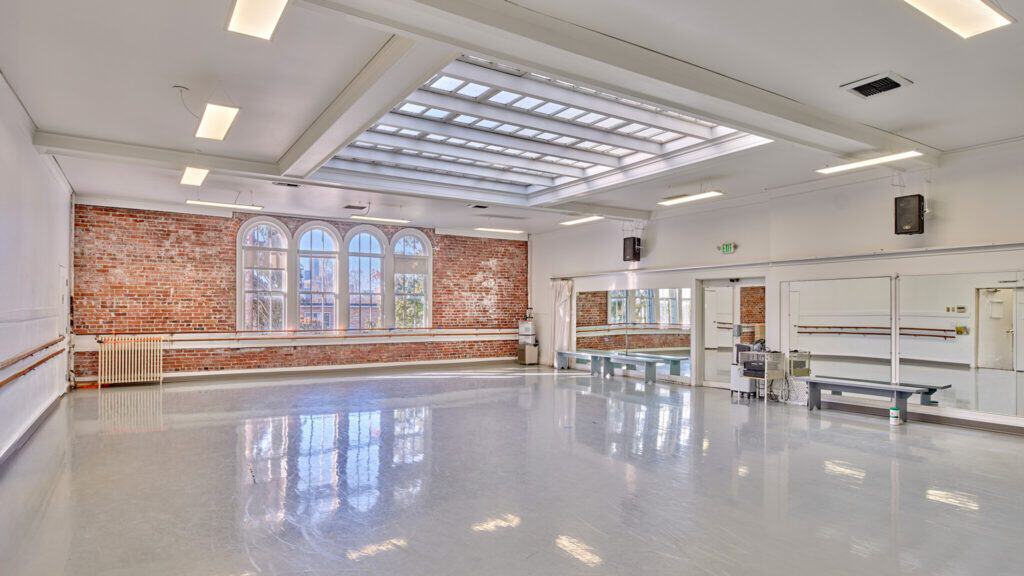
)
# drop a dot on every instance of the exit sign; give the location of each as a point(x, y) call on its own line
point(727, 247)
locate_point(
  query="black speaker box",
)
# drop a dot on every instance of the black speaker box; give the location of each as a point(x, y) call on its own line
point(631, 249)
point(910, 214)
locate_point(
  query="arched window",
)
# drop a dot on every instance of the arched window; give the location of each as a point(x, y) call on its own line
point(365, 279)
point(317, 278)
point(411, 250)
point(263, 256)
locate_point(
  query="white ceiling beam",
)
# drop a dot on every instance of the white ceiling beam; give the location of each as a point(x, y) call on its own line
point(527, 120)
point(551, 92)
point(395, 70)
point(467, 170)
point(381, 174)
point(647, 169)
point(456, 131)
point(90, 148)
point(468, 153)
point(505, 31)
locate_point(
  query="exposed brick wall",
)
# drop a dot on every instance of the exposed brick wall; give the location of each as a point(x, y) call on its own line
point(592, 308)
point(620, 342)
point(213, 359)
point(149, 271)
point(146, 271)
point(479, 282)
point(751, 310)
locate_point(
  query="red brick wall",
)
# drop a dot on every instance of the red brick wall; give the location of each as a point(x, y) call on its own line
point(752, 305)
point(592, 308)
point(620, 342)
point(213, 359)
point(149, 271)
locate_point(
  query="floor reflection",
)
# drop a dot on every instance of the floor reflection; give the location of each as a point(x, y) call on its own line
point(502, 471)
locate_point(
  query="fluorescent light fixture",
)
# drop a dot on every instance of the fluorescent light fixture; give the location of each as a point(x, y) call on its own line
point(256, 17)
point(216, 121)
point(251, 207)
point(965, 17)
point(376, 219)
point(499, 230)
point(582, 220)
point(689, 198)
point(871, 162)
point(194, 176)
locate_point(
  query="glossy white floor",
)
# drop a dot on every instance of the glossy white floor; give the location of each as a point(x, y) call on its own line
point(496, 469)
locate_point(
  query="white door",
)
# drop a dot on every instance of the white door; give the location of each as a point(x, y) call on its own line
point(995, 328)
point(710, 317)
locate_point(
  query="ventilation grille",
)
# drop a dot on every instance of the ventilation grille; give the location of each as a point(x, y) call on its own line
point(478, 206)
point(354, 207)
point(286, 184)
point(877, 84)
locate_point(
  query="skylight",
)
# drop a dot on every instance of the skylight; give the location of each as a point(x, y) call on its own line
point(491, 127)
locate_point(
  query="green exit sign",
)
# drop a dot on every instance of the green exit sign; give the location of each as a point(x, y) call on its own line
point(727, 247)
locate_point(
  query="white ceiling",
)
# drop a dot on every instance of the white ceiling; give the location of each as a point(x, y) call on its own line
point(965, 92)
point(105, 69)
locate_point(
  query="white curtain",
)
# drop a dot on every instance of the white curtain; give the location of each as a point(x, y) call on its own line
point(563, 317)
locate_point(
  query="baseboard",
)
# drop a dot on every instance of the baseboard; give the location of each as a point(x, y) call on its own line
point(90, 381)
point(23, 439)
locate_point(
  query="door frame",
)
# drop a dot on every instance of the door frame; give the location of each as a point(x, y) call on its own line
point(1014, 291)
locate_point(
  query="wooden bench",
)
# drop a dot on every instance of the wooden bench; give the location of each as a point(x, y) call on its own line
point(926, 389)
point(674, 362)
point(837, 386)
point(603, 363)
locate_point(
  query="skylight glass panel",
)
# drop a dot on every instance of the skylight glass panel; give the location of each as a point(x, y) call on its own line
point(549, 108)
point(475, 144)
point(412, 108)
point(602, 148)
point(436, 113)
point(665, 137)
point(528, 132)
point(620, 151)
point(504, 97)
point(436, 137)
point(507, 128)
point(584, 165)
point(465, 119)
point(590, 118)
point(565, 140)
point(547, 136)
point(551, 158)
point(429, 155)
point(494, 148)
point(409, 152)
point(609, 123)
point(409, 133)
point(446, 158)
point(446, 83)
point(566, 162)
point(570, 113)
point(472, 90)
point(363, 144)
point(486, 124)
point(512, 151)
point(648, 133)
point(586, 144)
point(463, 161)
point(630, 128)
point(530, 155)
point(386, 128)
point(527, 102)
point(456, 141)
point(383, 147)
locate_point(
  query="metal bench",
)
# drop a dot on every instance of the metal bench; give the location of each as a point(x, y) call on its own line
point(926, 389)
point(674, 362)
point(603, 363)
point(837, 386)
point(593, 357)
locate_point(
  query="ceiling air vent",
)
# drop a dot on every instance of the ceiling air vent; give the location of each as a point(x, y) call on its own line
point(354, 207)
point(478, 206)
point(286, 184)
point(877, 84)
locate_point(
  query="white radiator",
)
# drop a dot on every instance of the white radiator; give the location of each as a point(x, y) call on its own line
point(128, 359)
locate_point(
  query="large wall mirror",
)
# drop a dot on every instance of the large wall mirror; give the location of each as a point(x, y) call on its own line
point(845, 324)
point(959, 332)
point(653, 321)
point(733, 314)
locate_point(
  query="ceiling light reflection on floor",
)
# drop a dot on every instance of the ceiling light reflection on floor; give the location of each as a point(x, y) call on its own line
point(579, 550)
point(494, 524)
point(958, 499)
point(374, 549)
point(845, 469)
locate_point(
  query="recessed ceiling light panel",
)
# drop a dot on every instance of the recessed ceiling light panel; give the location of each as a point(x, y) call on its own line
point(689, 198)
point(257, 18)
point(249, 207)
point(870, 162)
point(965, 17)
point(194, 176)
point(216, 121)
point(582, 220)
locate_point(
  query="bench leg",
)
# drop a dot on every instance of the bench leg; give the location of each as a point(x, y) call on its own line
point(813, 397)
point(595, 366)
point(561, 362)
point(650, 373)
point(608, 368)
point(675, 368)
point(926, 398)
point(901, 403)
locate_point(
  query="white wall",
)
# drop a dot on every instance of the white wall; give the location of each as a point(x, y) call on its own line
point(797, 232)
point(34, 244)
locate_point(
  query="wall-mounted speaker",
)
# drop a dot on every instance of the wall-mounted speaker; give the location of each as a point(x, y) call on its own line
point(910, 214)
point(631, 249)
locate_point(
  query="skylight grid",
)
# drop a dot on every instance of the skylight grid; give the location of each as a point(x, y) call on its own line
point(448, 165)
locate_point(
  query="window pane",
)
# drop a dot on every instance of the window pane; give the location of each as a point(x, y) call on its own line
point(255, 258)
point(409, 245)
point(265, 236)
point(364, 243)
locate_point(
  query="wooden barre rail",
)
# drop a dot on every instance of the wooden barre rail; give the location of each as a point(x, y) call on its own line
point(852, 333)
point(26, 354)
point(28, 369)
point(879, 328)
point(280, 333)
